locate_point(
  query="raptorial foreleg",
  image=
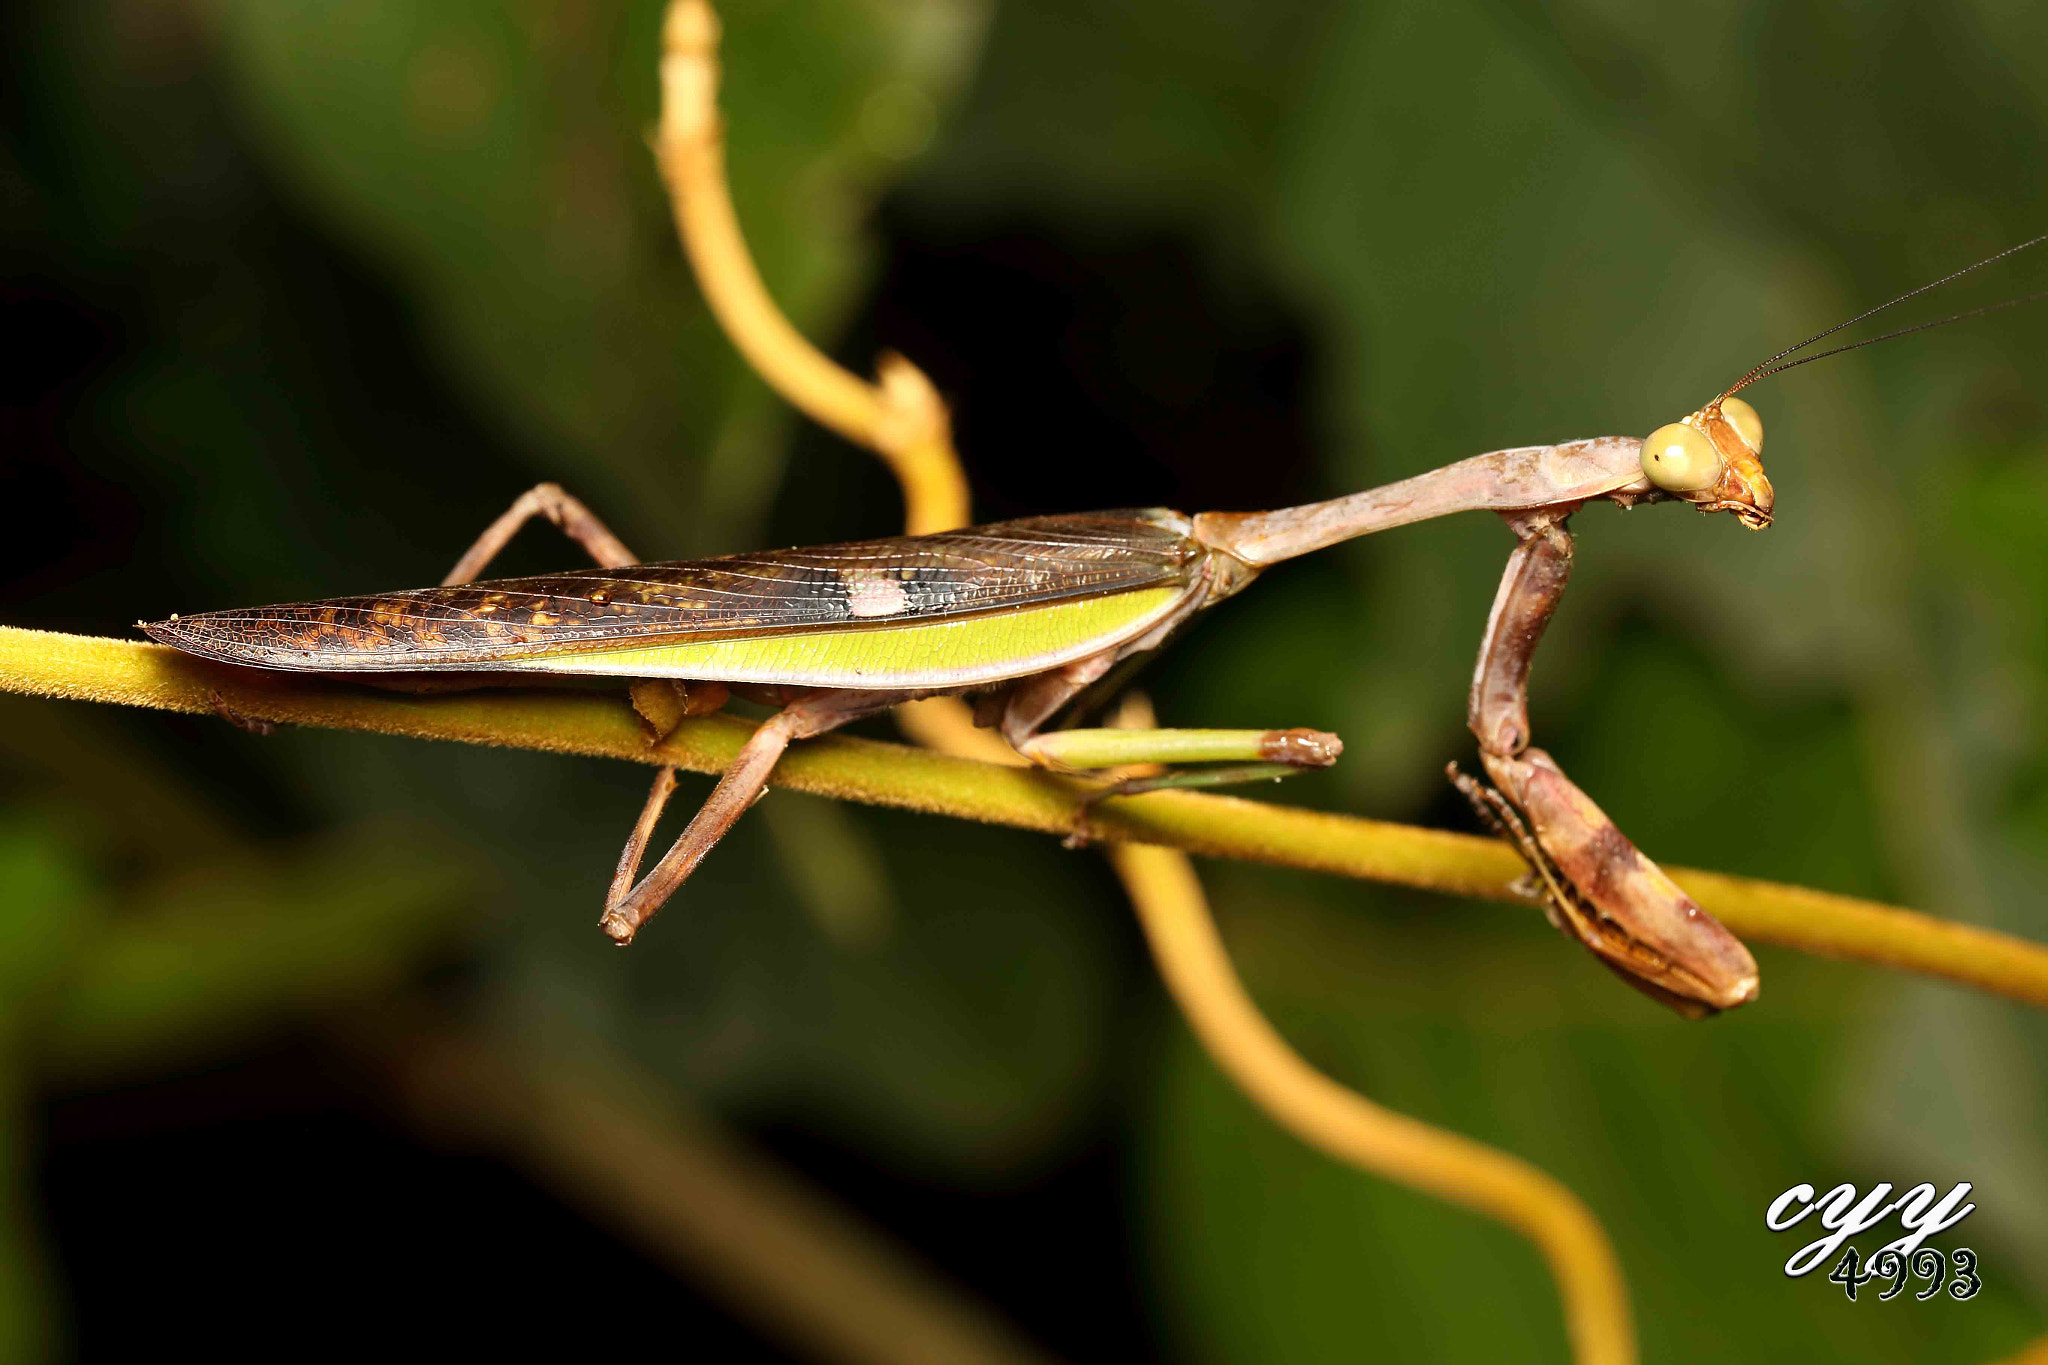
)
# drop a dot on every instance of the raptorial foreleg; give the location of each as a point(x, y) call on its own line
point(1599, 887)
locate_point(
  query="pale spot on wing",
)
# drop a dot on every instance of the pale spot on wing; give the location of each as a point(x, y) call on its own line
point(871, 592)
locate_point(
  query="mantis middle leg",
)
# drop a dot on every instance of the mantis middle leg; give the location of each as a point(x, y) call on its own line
point(1598, 887)
point(627, 906)
point(1238, 755)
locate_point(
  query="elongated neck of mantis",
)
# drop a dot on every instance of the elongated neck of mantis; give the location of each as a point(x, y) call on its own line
point(1498, 481)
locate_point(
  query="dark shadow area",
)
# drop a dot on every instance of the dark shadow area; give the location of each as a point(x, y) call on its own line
point(1085, 369)
point(270, 1204)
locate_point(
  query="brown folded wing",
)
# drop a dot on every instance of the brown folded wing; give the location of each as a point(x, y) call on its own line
point(872, 584)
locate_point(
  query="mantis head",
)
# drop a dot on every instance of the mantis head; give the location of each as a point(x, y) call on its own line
point(1712, 459)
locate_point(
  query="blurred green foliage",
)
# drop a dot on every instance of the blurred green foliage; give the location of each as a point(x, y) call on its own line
point(1499, 223)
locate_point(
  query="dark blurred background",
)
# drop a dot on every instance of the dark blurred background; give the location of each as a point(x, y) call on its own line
point(302, 295)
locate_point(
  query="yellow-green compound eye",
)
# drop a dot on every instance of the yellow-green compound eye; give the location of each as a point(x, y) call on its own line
point(1747, 424)
point(1680, 459)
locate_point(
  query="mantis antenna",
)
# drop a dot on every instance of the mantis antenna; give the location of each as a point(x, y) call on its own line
point(1710, 459)
point(1770, 367)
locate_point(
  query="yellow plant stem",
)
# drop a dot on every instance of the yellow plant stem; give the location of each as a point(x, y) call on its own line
point(1351, 1128)
point(603, 724)
point(901, 416)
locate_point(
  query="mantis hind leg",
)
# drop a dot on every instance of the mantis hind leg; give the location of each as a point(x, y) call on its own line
point(629, 905)
point(548, 500)
point(661, 705)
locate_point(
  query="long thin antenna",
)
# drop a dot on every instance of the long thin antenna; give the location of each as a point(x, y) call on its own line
point(1887, 336)
point(1770, 366)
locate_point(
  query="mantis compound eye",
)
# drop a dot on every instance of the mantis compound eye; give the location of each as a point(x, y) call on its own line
point(1747, 424)
point(1680, 459)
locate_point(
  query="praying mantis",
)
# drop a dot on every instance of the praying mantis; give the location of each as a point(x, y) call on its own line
point(1038, 619)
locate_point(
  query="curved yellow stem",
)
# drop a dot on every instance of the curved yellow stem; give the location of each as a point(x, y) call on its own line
point(1353, 1129)
point(901, 417)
